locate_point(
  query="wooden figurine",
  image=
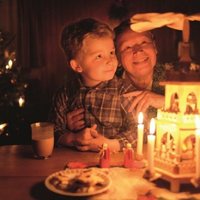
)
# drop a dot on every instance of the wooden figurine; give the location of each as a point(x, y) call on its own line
point(104, 160)
point(128, 156)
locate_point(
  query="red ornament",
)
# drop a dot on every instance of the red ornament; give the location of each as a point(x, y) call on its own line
point(128, 156)
point(104, 160)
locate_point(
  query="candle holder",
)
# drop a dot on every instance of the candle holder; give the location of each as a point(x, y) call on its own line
point(128, 156)
point(177, 157)
point(151, 176)
point(139, 157)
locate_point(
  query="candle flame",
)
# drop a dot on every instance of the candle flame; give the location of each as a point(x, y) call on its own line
point(152, 126)
point(140, 118)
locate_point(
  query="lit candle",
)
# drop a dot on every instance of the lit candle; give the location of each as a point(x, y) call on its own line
point(21, 102)
point(197, 146)
point(140, 134)
point(150, 146)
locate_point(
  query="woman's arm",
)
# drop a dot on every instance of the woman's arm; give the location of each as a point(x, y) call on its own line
point(144, 99)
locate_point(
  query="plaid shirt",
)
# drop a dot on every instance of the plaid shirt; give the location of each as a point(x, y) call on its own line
point(104, 105)
point(158, 76)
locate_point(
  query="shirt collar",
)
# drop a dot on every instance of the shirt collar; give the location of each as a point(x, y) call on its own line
point(99, 86)
point(128, 80)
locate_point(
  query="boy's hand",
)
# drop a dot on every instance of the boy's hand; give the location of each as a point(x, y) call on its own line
point(84, 136)
point(89, 140)
point(94, 144)
point(75, 119)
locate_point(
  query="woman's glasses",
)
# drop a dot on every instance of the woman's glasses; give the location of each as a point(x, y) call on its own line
point(137, 47)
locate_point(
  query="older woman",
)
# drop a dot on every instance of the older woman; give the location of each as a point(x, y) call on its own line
point(137, 55)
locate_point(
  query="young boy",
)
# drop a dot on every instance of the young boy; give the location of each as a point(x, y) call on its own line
point(90, 52)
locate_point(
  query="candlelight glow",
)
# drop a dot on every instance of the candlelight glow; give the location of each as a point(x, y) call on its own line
point(197, 146)
point(197, 122)
point(152, 126)
point(21, 101)
point(37, 124)
point(140, 118)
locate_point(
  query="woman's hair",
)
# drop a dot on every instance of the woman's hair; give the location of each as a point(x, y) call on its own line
point(73, 35)
point(125, 25)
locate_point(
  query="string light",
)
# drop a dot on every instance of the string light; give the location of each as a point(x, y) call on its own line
point(2, 127)
point(21, 101)
point(10, 63)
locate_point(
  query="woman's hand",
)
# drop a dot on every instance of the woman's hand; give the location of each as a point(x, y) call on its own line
point(75, 119)
point(144, 99)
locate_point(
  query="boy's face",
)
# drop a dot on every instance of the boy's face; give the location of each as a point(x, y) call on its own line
point(137, 53)
point(96, 61)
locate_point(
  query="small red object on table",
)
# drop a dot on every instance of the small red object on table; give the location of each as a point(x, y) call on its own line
point(128, 156)
point(104, 161)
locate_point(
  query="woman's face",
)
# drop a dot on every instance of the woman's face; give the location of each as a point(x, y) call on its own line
point(137, 53)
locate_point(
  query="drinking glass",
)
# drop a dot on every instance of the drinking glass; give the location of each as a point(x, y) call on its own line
point(42, 139)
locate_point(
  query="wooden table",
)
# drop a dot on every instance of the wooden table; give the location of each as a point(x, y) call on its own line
point(22, 176)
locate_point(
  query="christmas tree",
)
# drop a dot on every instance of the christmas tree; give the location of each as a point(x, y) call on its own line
point(12, 87)
point(12, 84)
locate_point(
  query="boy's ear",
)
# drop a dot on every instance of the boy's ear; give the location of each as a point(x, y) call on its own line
point(75, 66)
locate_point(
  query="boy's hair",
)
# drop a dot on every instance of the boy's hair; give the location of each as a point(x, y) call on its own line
point(73, 35)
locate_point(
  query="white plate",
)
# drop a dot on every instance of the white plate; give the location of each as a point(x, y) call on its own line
point(71, 173)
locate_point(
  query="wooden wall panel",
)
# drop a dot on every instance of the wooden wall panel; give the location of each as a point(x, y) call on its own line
point(40, 52)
